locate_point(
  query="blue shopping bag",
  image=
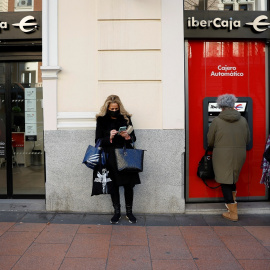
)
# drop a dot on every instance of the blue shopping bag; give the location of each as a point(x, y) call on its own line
point(94, 155)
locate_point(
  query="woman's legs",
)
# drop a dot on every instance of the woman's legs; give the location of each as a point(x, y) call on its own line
point(128, 191)
point(115, 196)
point(229, 193)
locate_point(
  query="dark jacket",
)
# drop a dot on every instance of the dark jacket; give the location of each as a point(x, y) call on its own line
point(229, 135)
point(104, 125)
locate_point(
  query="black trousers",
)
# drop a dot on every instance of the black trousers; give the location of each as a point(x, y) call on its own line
point(227, 192)
point(128, 192)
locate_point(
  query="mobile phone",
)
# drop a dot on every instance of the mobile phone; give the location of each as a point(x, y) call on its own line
point(122, 129)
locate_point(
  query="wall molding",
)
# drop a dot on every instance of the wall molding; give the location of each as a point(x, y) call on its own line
point(49, 72)
point(50, 66)
point(76, 120)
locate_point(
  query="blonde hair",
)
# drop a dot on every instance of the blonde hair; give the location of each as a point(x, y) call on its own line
point(113, 99)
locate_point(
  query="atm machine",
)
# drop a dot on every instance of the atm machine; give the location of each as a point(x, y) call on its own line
point(210, 111)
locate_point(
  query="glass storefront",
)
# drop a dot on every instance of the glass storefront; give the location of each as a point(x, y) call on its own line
point(226, 5)
point(21, 129)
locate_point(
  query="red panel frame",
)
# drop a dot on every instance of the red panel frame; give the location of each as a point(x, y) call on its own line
point(248, 58)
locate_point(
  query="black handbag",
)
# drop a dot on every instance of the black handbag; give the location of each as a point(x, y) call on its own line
point(205, 168)
point(129, 160)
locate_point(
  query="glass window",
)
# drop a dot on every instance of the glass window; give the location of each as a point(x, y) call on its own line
point(243, 5)
point(228, 7)
point(23, 5)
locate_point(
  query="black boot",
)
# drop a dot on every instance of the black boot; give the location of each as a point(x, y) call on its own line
point(117, 214)
point(130, 215)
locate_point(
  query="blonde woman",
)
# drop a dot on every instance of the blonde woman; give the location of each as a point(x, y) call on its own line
point(112, 116)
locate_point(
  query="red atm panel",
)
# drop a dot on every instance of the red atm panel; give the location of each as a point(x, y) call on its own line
point(208, 63)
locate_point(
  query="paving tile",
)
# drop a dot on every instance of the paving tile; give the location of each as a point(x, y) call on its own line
point(47, 250)
point(95, 229)
point(201, 237)
point(218, 220)
point(204, 241)
point(129, 257)
point(126, 235)
point(40, 263)
point(171, 247)
point(174, 265)
point(90, 246)
point(7, 262)
point(129, 252)
point(163, 230)
point(160, 220)
point(37, 217)
point(255, 264)
point(190, 220)
point(67, 219)
point(211, 253)
point(128, 264)
point(55, 238)
point(261, 233)
point(5, 226)
point(197, 232)
point(27, 227)
point(97, 219)
point(9, 216)
point(57, 233)
point(16, 243)
point(254, 220)
point(245, 247)
point(83, 264)
point(213, 264)
point(62, 228)
point(230, 231)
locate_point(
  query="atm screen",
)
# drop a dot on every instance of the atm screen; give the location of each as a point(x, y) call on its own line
point(239, 106)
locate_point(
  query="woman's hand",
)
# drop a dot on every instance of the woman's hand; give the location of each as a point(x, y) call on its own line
point(125, 135)
point(112, 134)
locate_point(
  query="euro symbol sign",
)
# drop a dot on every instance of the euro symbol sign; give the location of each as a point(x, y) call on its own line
point(24, 23)
point(258, 22)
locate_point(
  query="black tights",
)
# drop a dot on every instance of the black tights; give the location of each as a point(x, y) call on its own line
point(128, 192)
point(227, 190)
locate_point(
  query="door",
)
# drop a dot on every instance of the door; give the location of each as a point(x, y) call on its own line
point(21, 131)
point(216, 68)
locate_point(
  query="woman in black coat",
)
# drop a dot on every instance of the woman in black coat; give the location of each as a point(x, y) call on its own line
point(112, 116)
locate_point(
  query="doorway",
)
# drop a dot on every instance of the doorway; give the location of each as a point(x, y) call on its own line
point(22, 173)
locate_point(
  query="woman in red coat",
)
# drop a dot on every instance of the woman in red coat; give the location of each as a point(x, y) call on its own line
point(111, 117)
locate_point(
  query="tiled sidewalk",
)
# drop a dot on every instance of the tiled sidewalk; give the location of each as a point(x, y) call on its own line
point(83, 241)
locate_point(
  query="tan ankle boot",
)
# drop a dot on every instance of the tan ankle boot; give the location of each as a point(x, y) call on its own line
point(232, 212)
point(234, 195)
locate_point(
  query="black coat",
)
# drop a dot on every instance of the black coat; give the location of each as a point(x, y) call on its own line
point(104, 125)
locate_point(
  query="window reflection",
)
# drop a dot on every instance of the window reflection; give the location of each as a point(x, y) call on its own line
point(226, 5)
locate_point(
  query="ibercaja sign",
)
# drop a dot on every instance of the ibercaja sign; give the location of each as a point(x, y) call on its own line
point(20, 25)
point(227, 24)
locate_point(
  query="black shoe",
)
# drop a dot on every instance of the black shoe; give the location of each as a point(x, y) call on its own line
point(131, 218)
point(117, 214)
point(115, 219)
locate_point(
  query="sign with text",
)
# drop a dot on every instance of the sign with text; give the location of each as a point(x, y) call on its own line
point(227, 24)
point(21, 25)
